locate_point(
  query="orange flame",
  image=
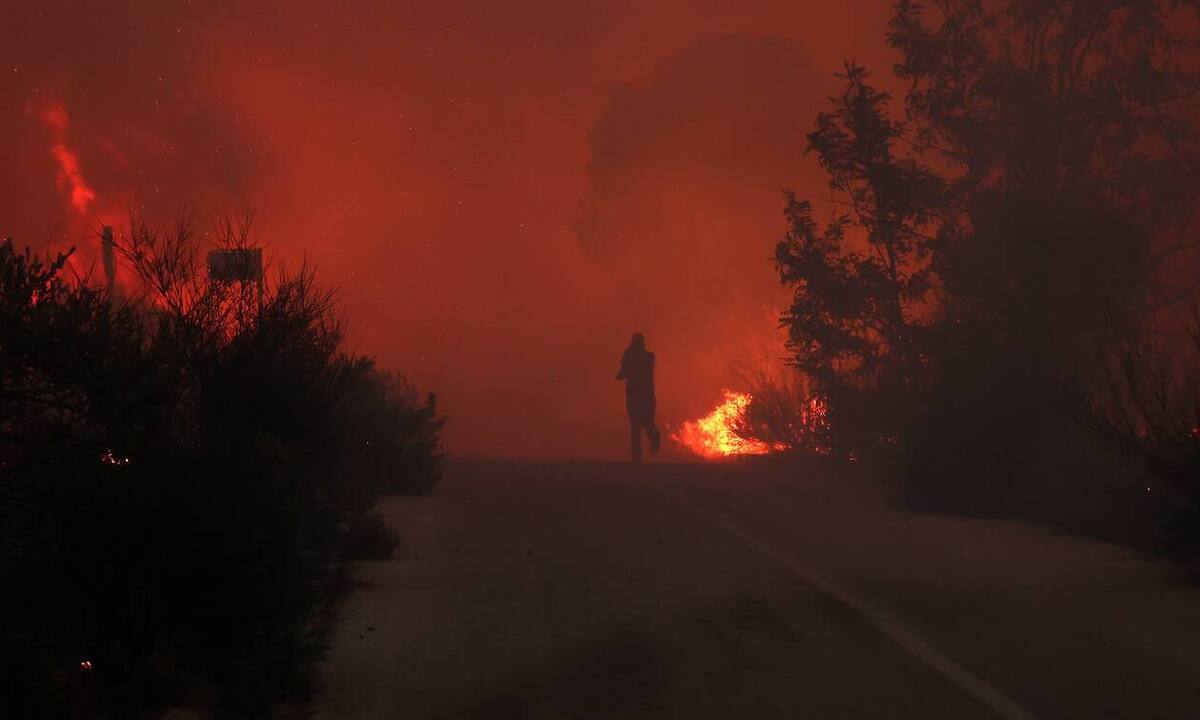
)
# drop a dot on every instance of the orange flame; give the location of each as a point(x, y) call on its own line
point(714, 435)
point(70, 174)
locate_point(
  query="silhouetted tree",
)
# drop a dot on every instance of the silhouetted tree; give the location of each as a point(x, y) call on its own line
point(1046, 192)
point(862, 281)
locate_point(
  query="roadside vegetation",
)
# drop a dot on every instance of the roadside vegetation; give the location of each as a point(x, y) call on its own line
point(185, 465)
point(1005, 300)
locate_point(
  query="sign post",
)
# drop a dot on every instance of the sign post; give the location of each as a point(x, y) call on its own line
point(242, 265)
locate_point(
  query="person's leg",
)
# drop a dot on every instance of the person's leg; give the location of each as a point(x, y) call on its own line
point(652, 430)
point(635, 439)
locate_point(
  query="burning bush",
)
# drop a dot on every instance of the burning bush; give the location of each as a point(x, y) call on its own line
point(784, 412)
point(176, 465)
point(720, 433)
point(778, 413)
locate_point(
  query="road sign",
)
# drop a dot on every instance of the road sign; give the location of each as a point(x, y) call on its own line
point(236, 265)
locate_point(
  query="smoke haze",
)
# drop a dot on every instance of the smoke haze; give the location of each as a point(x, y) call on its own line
point(502, 192)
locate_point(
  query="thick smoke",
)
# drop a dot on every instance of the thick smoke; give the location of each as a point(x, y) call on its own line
point(683, 207)
point(502, 191)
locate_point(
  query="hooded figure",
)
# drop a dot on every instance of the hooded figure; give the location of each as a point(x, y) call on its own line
point(637, 370)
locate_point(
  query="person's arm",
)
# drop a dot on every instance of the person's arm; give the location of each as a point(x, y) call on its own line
point(622, 373)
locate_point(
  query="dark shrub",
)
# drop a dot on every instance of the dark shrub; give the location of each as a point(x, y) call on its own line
point(175, 466)
point(368, 537)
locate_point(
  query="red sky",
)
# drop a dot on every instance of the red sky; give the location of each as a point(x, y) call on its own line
point(502, 190)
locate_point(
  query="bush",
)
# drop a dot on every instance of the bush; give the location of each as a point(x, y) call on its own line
point(784, 412)
point(1147, 404)
point(368, 537)
point(175, 466)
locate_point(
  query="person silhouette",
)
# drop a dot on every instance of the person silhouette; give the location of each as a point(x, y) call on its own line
point(637, 370)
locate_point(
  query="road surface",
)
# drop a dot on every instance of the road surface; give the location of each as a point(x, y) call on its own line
point(601, 590)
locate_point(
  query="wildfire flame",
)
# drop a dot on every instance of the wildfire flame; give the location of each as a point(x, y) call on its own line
point(90, 215)
point(70, 174)
point(715, 436)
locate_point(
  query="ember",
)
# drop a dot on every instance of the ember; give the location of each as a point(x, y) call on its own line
point(108, 458)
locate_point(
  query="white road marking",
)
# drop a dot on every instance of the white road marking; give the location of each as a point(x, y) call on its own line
point(997, 701)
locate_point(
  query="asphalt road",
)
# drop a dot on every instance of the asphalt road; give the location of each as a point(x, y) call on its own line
point(600, 590)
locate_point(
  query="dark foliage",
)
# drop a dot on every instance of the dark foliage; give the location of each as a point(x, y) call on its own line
point(368, 537)
point(175, 465)
point(783, 412)
point(859, 281)
point(1017, 258)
